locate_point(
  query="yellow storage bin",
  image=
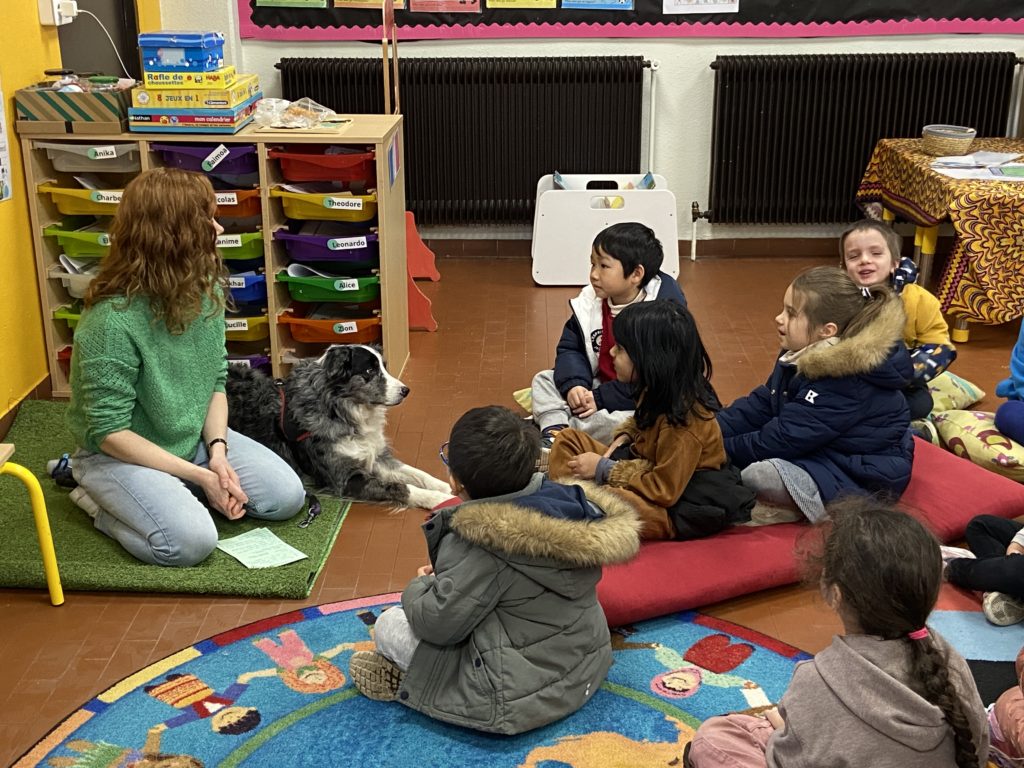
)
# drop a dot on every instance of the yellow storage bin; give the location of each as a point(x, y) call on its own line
point(83, 202)
point(251, 328)
point(333, 206)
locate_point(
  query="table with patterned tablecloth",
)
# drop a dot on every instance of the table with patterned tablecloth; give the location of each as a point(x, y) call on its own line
point(984, 277)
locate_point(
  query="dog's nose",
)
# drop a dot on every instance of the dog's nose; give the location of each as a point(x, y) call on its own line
point(405, 391)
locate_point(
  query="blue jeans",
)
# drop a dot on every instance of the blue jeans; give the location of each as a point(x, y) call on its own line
point(163, 520)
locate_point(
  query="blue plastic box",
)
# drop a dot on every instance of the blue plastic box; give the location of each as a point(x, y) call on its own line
point(182, 51)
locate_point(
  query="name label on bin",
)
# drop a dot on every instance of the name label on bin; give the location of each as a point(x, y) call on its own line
point(229, 241)
point(344, 203)
point(348, 284)
point(98, 196)
point(101, 153)
point(227, 198)
point(236, 282)
point(103, 239)
point(345, 243)
point(213, 159)
point(236, 324)
point(242, 361)
point(342, 328)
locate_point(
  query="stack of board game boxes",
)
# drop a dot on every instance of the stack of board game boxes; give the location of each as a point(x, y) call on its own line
point(188, 89)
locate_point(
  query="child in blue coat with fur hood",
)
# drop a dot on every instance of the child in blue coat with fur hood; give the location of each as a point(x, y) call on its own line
point(832, 418)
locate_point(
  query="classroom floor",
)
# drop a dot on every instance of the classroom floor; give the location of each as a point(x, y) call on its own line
point(496, 330)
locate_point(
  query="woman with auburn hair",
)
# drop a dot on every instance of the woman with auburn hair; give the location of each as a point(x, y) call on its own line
point(148, 409)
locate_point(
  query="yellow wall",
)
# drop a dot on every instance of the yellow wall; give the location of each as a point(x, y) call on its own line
point(26, 49)
point(148, 14)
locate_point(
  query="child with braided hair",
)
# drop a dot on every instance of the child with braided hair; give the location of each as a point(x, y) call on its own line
point(888, 692)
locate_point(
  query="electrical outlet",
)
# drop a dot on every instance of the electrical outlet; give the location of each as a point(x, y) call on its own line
point(55, 13)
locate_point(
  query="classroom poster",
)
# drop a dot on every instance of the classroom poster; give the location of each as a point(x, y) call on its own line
point(700, 6)
point(444, 6)
point(5, 151)
point(599, 5)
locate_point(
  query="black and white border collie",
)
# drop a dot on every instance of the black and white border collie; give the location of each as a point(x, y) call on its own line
point(326, 419)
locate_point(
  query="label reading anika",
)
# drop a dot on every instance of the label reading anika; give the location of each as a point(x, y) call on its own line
point(347, 284)
point(236, 282)
point(236, 324)
point(345, 243)
point(227, 198)
point(110, 196)
point(213, 159)
point(344, 203)
point(102, 153)
point(342, 328)
point(229, 241)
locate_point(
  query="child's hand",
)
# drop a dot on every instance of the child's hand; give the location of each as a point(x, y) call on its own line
point(577, 398)
point(772, 716)
point(584, 465)
point(1015, 549)
point(424, 570)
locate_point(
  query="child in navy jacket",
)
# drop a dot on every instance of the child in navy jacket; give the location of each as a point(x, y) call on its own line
point(832, 418)
point(582, 390)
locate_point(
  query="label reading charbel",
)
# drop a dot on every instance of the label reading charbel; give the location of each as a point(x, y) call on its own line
point(344, 203)
point(107, 196)
point(346, 243)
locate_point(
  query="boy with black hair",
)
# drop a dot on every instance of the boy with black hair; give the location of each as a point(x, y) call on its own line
point(502, 632)
point(582, 391)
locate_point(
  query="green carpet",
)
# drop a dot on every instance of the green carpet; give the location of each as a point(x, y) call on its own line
point(89, 560)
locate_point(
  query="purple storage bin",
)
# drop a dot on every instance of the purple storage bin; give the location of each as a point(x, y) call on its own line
point(321, 241)
point(240, 158)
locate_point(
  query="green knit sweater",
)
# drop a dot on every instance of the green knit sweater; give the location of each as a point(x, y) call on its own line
point(129, 372)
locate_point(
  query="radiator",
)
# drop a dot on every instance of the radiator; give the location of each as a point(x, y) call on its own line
point(792, 134)
point(480, 132)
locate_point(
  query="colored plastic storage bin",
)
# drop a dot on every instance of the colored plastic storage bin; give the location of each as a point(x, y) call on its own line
point(85, 202)
point(336, 206)
point(314, 241)
point(313, 163)
point(347, 289)
point(71, 313)
point(240, 245)
point(80, 237)
point(120, 158)
point(174, 51)
point(75, 284)
point(246, 328)
point(257, 361)
point(234, 159)
point(315, 324)
point(239, 202)
point(248, 287)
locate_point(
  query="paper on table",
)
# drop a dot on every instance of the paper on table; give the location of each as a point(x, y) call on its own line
point(260, 548)
point(982, 174)
point(975, 160)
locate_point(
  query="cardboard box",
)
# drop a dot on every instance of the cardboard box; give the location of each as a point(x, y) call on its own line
point(244, 89)
point(218, 78)
point(44, 110)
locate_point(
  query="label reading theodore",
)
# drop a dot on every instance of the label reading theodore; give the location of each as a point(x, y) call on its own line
point(346, 243)
point(342, 328)
point(101, 153)
point(344, 203)
point(109, 196)
point(214, 158)
point(227, 198)
point(236, 282)
point(236, 324)
point(346, 284)
point(229, 241)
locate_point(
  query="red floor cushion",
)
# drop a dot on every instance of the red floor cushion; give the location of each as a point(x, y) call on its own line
point(945, 492)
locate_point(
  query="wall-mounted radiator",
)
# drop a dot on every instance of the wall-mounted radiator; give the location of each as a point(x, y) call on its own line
point(793, 134)
point(480, 132)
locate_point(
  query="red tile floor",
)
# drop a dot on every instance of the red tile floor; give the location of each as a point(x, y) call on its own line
point(496, 330)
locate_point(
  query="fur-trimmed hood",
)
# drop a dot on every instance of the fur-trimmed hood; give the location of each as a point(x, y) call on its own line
point(518, 533)
point(867, 352)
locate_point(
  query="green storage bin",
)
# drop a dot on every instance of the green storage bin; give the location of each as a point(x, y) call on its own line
point(71, 313)
point(318, 289)
point(80, 237)
point(242, 245)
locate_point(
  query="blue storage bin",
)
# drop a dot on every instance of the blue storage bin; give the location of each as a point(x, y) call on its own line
point(182, 51)
point(248, 287)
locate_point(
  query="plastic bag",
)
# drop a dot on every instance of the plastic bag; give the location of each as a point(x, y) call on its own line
point(279, 113)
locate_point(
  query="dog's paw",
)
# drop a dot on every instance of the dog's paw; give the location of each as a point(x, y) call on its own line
point(424, 498)
point(439, 485)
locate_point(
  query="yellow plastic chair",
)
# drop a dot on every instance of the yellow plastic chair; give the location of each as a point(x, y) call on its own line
point(35, 493)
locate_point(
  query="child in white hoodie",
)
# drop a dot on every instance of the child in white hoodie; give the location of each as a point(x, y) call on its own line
point(889, 692)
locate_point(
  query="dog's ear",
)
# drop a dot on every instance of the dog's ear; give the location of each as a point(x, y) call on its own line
point(338, 360)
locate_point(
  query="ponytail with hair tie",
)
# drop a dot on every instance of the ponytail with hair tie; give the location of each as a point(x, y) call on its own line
point(865, 291)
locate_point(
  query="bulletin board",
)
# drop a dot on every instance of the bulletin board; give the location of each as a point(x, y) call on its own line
point(451, 19)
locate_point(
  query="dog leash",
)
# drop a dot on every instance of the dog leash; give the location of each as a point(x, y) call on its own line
point(312, 510)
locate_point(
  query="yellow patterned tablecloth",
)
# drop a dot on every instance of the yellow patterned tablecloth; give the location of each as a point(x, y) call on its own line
point(984, 277)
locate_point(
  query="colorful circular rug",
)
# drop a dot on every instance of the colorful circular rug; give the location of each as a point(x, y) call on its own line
point(277, 693)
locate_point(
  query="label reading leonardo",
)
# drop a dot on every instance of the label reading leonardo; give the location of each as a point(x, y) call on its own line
point(346, 284)
point(346, 243)
point(344, 203)
point(227, 198)
point(106, 196)
point(229, 241)
point(236, 324)
point(214, 158)
point(342, 328)
point(101, 153)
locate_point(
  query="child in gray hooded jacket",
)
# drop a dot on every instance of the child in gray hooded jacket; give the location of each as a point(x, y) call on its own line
point(889, 692)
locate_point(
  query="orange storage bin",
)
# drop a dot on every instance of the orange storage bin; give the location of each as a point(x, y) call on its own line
point(319, 323)
point(236, 203)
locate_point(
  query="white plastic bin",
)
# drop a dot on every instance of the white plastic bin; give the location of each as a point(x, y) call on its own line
point(566, 222)
point(121, 158)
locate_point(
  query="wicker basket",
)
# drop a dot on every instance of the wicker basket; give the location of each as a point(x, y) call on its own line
point(940, 140)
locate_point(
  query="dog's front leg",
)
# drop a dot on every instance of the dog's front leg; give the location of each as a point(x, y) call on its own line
point(424, 498)
point(421, 479)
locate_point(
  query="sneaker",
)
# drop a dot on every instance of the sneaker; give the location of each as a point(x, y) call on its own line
point(767, 514)
point(925, 429)
point(376, 676)
point(548, 435)
point(85, 501)
point(954, 553)
point(1001, 609)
